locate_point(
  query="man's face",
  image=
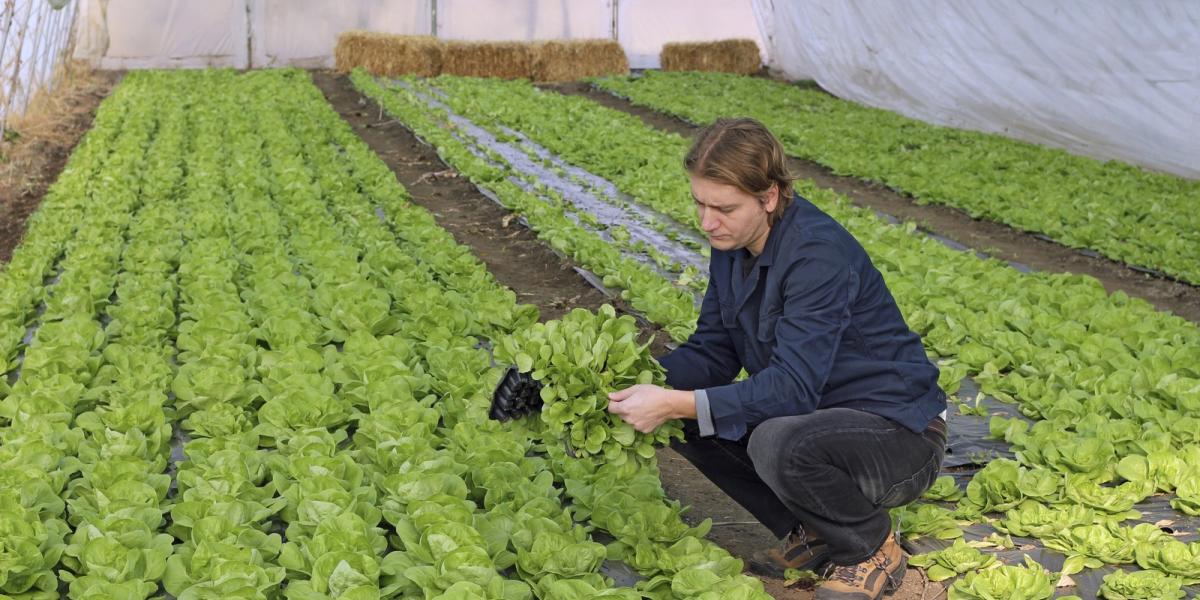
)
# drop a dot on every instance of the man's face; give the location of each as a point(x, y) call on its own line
point(732, 218)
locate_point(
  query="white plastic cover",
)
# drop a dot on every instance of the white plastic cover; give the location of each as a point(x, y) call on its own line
point(124, 34)
point(34, 36)
point(303, 33)
point(1111, 79)
point(132, 34)
point(521, 20)
point(643, 27)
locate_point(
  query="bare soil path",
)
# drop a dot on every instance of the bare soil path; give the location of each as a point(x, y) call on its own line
point(520, 261)
point(995, 239)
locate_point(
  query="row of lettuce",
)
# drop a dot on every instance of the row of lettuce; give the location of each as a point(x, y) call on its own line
point(1112, 384)
point(1126, 213)
point(258, 289)
point(72, 446)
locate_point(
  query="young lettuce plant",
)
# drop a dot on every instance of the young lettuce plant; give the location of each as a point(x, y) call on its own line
point(959, 558)
point(1092, 546)
point(916, 520)
point(695, 568)
point(945, 489)
point(1006, 582)
point(32, 546)
point(1187, 495)
point(1164, 468)
point(1034, 519)
point(1141, 585)
point(1171, 556)
point(579, 360)
point(1004, 483)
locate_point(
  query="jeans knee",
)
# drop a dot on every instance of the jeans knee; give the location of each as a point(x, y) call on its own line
point(758, 440)
point(765, 448)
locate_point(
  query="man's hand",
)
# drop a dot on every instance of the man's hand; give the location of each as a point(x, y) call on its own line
point(646, 406)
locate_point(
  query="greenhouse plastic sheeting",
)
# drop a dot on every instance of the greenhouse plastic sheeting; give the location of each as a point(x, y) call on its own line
point(524, 20)
point(303, 33)
point(121, 34)
point(1111, 79)
point(643, 27)
point(34, 37)
point(133, 34)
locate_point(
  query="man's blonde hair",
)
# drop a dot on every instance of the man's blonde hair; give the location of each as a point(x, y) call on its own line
point(743, 153)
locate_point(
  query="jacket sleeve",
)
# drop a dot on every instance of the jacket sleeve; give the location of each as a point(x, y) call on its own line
point(817, 289)
point(708, 357)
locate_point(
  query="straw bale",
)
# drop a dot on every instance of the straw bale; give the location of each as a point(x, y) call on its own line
point(728, 56)
point(506, 60)
point(388, 55)
point(571, 60)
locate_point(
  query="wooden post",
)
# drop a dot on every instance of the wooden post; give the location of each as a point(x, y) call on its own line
point(433, 18)
point(615, 15)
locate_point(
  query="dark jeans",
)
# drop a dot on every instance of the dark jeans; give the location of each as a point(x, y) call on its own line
point(833, 472)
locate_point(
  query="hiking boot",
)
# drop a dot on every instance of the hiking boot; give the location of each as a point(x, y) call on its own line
point(867, 580)
point(799, 550)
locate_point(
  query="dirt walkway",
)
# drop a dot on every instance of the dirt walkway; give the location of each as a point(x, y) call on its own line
point(518, 260)
point(995, 239)
point(44, 139)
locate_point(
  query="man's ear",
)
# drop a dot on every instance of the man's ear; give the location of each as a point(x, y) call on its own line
point(770, 200)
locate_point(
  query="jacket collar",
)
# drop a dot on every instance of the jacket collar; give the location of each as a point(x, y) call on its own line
point(776, 235)
point(743, 288)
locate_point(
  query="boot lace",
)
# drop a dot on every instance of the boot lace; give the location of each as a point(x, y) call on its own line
point(849, 574)
point(793, 538)
point(852, 575)
point(883, 564)
point(799, 536)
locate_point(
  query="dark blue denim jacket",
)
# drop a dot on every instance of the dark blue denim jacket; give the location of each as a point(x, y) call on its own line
point(815, 327)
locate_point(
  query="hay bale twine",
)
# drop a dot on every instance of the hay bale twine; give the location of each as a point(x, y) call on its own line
point(727, 56)
point(571, 60)
point(388, 55)
point(506, 60)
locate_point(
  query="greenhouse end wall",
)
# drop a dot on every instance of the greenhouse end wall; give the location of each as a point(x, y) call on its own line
point(123, 34)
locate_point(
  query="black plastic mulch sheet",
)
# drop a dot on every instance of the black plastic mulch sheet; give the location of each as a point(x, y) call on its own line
point(968, 443)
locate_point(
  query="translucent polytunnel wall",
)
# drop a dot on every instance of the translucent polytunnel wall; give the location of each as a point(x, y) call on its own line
point(1111, 79)
point(35, 36)
point(122, 34)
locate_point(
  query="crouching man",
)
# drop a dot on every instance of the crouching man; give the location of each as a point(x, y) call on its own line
point(840, 417)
